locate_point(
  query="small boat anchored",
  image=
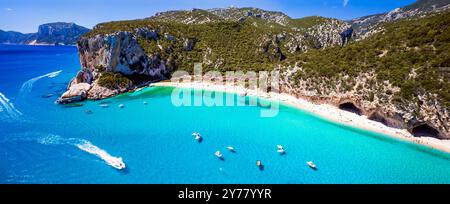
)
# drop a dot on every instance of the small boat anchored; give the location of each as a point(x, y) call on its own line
point(121, 106)
point(311, 165)
point(259, 165)
point(280, 149)
point(104, 105)
point(231, 149)
point(145, 103)
point(197, 136)
point(218, 154)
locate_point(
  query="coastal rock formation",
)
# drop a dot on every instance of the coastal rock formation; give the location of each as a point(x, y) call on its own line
point(317, 58)
point(76, 92)
point(121, 53)
point(48, 34)
point(118, 53)
point(360, 98)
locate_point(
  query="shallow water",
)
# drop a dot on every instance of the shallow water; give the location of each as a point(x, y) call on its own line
point(42, 143)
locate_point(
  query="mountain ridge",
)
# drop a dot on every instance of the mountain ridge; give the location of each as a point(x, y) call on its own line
point(58, 33)
point(364, 26)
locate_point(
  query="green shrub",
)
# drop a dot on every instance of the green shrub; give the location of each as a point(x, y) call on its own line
point(113, 80)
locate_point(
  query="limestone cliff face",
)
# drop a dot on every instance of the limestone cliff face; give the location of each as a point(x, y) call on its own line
point(427, 117)
point(114, 53)
point(59, 33)
point(328, 34)
point(120, 53)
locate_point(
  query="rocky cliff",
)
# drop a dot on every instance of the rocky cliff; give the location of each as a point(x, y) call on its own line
point(48, 34)
point(118, 53)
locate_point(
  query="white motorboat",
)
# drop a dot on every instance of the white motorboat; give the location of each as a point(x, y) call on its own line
point(231, 148)
point(280, 149)
point(117, 163)
point(145, 102)
point(218, 154)
point(196, 135)
point(121, 106)
point(104, 105)
point(311, 164)
point(258, 163)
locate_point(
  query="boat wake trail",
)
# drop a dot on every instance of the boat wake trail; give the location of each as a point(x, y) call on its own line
point(85, 146)
point(88, 147)
point(28, 85)
point(7, 108)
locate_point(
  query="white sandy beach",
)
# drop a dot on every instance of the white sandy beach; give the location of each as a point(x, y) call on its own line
point(325, 111)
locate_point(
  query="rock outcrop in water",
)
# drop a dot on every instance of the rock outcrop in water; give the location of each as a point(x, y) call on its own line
point(114, 53)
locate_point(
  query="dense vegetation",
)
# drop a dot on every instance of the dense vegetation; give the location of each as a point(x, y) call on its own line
point(420, 46)
point(228, 45)
point(307, 22)
point(113, 80)
point(412, 54)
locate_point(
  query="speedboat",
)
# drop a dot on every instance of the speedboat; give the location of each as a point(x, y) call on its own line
point(218, 154)
point(104, 105)
point(311, 164)
point(121, 106)
point(231, 149)
point(117, 163)
point(145, 102)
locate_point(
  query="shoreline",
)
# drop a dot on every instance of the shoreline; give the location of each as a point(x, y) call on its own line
point(324, 111)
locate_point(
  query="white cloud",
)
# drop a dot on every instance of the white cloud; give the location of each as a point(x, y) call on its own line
point(345, 3)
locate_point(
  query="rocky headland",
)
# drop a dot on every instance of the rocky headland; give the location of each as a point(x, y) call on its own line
point(320, 59)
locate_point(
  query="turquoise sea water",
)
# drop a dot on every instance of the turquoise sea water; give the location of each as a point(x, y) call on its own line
point(42, 142)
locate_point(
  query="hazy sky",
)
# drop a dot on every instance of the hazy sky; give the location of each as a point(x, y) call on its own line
point(27, 15)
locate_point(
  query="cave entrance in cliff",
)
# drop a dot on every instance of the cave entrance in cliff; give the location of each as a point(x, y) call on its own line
point(377, 117)
point(350, 107)
point(425, 130)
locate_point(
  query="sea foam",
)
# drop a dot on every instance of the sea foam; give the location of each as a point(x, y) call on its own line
point(28, 85)
point(7, 108)
point(85, 146)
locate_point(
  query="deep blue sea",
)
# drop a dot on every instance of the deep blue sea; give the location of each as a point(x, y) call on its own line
point(43, 142)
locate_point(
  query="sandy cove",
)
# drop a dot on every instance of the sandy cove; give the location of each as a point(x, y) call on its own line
point(324, 111)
